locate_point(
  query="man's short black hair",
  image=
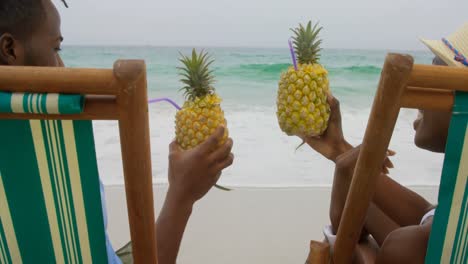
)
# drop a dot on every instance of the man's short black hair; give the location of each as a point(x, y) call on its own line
point(20, 17)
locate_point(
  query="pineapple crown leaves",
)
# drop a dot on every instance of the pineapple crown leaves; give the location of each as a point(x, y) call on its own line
point(306, 43)
point(196, 75)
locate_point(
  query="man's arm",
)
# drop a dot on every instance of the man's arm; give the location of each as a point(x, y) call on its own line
point(192, 174)
point(170, 228)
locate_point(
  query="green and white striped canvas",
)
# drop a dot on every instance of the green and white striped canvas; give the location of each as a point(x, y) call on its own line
point(449, 235)
point(40, 103)
point(50, 203)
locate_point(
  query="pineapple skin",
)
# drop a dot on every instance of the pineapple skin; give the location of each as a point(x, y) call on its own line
point(302, 106)
point(198, 119)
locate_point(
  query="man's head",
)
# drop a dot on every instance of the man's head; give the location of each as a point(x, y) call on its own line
point(432, 126)
point(29, 33)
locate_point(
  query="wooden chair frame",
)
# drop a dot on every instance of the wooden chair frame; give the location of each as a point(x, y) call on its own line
point(119, 94)
point(403, 84)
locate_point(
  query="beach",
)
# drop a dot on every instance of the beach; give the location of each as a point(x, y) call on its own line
point(248, 225)
point(246, 79)
point(232, 92)
point(281, 195)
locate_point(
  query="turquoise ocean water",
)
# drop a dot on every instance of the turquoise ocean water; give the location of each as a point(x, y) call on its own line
point(246, 78)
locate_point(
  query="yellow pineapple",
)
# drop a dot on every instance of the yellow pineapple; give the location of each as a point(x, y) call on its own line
point(201, 113)
point(302, 107)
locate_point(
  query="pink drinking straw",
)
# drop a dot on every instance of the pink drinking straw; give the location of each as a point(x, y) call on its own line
point(157, 100)
point(293, 54)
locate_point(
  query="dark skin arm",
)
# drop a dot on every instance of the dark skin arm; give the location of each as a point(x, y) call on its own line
point(170, 226)
point(377, 220)
point(398, 243)
point(392, 218)
point(402, 205)
point(192, 174)
point(379, 224)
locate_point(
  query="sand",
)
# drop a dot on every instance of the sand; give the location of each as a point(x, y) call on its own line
point(248, 225)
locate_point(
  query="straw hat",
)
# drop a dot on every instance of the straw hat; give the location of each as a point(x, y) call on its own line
point(448, 48)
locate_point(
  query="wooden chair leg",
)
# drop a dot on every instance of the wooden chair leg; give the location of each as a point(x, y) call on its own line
point(385, 109)
point(136, 154)
point(319, 253)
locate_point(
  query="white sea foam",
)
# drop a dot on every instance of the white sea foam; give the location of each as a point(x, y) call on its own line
point(264, 156)
point(247, 81)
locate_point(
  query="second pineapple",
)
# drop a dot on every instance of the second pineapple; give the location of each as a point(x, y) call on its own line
point(201, 113)
point(302, 107)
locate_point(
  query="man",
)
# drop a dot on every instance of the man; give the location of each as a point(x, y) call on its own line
point(399, 219)
point(30, 36)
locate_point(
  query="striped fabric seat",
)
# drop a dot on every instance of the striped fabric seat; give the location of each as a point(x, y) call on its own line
point(449, 236)
point(40, 103)
point(50, 203)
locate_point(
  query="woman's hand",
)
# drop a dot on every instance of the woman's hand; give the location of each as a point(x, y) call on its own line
point(332, 143)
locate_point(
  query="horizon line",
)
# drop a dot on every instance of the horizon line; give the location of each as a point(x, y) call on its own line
point(232, 47)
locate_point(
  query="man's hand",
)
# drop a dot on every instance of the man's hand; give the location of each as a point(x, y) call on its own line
point(193, 173)
point(332, 143)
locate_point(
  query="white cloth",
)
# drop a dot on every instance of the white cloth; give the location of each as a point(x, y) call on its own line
point(331, 238)
point(427, 215)
point(112, 257)
point(328, 233)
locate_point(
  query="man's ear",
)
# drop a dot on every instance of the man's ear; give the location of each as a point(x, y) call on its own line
point(10, 50)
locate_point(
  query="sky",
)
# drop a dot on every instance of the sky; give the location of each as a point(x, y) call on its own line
point(353, 24)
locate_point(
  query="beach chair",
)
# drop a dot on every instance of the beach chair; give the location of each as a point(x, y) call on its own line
point(403, 84)
point(50, 202)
